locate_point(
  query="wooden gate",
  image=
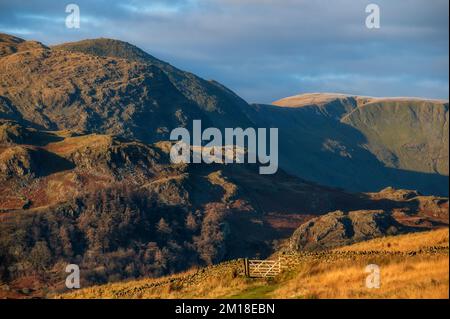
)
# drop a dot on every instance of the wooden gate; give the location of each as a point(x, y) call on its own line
point(262, 268)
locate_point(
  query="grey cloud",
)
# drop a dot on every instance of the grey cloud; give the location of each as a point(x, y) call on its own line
point(267, 49)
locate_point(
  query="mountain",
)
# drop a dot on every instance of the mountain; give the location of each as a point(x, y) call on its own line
point(134, 98)
point(362, 143)
point(222, 105)
point(110, 86)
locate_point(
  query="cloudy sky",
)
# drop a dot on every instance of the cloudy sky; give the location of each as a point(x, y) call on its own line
point(266, 49)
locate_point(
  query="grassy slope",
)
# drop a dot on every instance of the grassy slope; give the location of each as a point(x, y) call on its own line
point(360, 144)
point(412, 266)
point(411, 135)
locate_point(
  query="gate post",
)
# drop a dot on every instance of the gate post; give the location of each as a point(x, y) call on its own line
point(246, 267)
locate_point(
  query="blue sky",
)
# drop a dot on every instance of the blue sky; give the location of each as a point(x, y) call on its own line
point(267, 49)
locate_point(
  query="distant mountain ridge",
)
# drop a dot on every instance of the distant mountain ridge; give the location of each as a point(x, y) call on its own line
point(110, 86)
point(361, 143)
point(308, 99)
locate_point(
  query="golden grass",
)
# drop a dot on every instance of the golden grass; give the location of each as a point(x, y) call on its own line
point(190, 284)
point(71, 144)
point(419, 275)
point(409, 277)
point(414, 271)
point(408, 242)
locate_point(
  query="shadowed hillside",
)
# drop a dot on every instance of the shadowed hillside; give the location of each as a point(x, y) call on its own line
point(362, 143)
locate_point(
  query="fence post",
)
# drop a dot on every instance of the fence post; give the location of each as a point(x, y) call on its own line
point(246, 267)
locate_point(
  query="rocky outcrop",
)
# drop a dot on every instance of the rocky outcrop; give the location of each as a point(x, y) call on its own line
point(12, 133)
point(395, 194)
point(10, 45)
point(16, 161)
point(339, 229)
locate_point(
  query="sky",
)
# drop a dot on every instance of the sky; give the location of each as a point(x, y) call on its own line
point(265, 50)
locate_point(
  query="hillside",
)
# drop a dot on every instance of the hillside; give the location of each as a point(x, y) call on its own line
point(120, 209)
point(222, 105)
point(109, 86)
point(131, 98)
point(362, 143)
point(10, 44)
point(412, 266)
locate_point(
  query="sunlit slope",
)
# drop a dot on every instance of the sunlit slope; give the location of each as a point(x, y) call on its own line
point(410, 135)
